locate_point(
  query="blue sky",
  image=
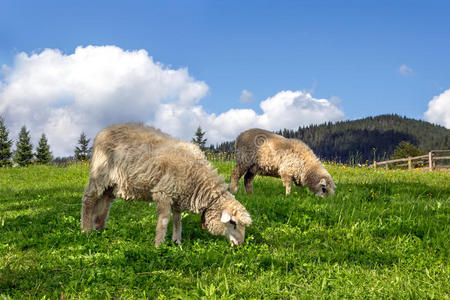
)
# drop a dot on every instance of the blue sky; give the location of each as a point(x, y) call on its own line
point(348, 52)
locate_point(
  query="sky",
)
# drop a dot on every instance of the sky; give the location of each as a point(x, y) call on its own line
point(68, 67)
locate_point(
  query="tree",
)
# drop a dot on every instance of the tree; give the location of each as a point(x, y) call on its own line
point(24, 150)
point(406, 149)
point(83, 152)
point(43, 154)
point(198, 138)
point(5, 145)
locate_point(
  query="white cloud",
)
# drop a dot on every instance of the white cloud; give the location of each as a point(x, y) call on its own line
point(65, 94)
point(439, 110)
point(405, 70)
point(287, 109)
point(246, 96)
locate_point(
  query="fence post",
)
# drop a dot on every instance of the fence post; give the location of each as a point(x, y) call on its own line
point(430, 160)
point(374, 164)
point(409, 163)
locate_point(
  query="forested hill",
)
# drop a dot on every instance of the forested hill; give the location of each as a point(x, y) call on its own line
point(359, 140)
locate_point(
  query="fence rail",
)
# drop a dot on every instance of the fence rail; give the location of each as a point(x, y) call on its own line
point(427, 159)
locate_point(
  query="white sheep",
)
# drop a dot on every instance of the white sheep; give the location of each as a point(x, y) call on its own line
point(137, 162)
point(261, 152)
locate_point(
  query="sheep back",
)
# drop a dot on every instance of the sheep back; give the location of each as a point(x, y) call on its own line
point(138, 160)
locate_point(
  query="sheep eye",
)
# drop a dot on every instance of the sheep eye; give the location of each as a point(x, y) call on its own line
point(233, 223)
point(324, 190)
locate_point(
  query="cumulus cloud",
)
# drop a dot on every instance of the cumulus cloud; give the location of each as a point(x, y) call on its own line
point(246, 96)
point(439, 110)
point(64, 94)
point(405, 70)
point(287, 109)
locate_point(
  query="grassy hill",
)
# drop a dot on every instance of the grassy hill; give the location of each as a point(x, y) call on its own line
point(355, 141)
point(383, 235)
point(360, 140)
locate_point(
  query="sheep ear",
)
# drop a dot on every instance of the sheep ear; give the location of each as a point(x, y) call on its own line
point(225, 217)
point(323, 182)
point(245, 219)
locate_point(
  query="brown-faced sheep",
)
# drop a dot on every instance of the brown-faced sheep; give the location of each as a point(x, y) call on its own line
point(137, 162)
point(260, 152)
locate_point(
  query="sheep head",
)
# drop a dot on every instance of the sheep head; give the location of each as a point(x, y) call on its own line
point(235, 227)
point(323, 186)
point(228, 218)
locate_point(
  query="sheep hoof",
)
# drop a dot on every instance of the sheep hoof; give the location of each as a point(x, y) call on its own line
point(99, 227)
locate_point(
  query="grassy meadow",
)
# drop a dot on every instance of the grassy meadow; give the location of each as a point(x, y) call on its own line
point(385, 234)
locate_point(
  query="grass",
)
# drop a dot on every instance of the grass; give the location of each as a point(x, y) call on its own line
point(385, 234)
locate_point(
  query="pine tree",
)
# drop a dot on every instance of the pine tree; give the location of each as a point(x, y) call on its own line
point(406, 149)
point(24, 150)
point(43, 154)
point(5, 145)
point(198, 138)
point(83, 152)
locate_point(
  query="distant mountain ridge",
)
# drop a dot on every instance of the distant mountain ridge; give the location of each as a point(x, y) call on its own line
point(359, 141)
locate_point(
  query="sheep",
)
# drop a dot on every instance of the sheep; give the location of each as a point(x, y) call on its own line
point(136, 162)
point(264, 153)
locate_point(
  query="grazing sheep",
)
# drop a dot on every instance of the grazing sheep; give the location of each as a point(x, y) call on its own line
point(139, 163)
point(260, 152)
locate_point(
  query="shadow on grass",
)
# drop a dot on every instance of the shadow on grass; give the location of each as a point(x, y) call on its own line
point(42, 218)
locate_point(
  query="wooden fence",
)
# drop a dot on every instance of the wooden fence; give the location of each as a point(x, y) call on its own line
point(423, 162)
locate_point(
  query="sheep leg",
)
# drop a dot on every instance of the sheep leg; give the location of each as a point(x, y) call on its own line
point(176, 234)
point(236, 174)
point(101, 211)
point(287, 182)
point(163, 209)
point(87, 212)
point(248, 181)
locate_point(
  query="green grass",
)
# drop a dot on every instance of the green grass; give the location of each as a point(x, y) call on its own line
point(385, 234)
